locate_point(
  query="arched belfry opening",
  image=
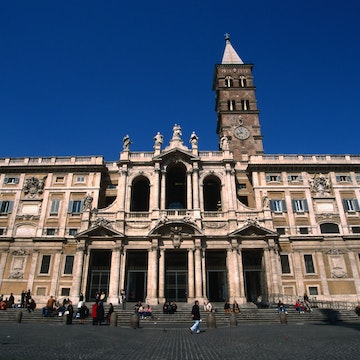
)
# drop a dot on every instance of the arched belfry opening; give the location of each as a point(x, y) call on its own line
point(176, 186)
point(140, 194)
point(212, 193)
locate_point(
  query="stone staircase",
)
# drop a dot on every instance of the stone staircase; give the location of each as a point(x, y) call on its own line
point(248, 315)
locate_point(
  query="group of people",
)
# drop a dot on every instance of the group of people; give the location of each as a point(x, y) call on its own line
point(143, 311)
point(25, 301)
point(169, 307)
point(301, 306)
point(228, 308)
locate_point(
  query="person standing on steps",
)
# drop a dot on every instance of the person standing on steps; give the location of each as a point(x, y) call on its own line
point(195, 314)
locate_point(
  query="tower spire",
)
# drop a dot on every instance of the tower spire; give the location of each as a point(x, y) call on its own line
point(230, 55)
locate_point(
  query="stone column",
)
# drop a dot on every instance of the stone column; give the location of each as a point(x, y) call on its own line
point(189, 204)
point(241, 277)
point(77, 278)
point(32, 272)
point(354, 270)
point(162, 276)
point(229, 187)
point(203, 262)
point(55, 275)
point(152, 274)
point(3, 259)
point(298, 272)
point(156, 187)
point(121, 191)
point(114, 276)
point(191, 279)
point(230, 276)
point(235, 267)
point(196, 204)
point(122, 270)
point(163, 190)
point(198, 277)
point(322, 272)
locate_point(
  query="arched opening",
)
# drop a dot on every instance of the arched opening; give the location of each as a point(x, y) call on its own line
point(329, 228)
point(212, 194)
point(140, 194)
point(176, 187)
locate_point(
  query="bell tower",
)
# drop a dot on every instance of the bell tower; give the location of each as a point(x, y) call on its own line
point(237, 112)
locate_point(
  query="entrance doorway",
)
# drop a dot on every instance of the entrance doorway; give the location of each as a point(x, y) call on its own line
point(216, 278)
point(136, 275)
point(176, 276)
point(253, 275)
point(99, 273)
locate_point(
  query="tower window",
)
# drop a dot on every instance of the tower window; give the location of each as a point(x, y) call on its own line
point(229, 81)
point(242, 81)
point(231, 105)
point(245, 105)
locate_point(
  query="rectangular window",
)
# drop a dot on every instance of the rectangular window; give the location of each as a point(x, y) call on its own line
point(351, 205)
point(300, 205)
point(313, 290)
point(273, 178)
point(355, 229)
point(343, 178)
point(304, 230)
point(65, 291)
point(11, 180)
point(280, 230)
point(45, 264)
point(75, 206)
point(241, 186)
point(6, 206)
point(295, 178)
point(69, 263)
point(285, 265)
point(73, 232)
point(80, 179)
point(2, 231)
point(50, 232)
point(357, 176)
point(309, 264)
point(60, 179)
point(54, 208)
point(277, 206)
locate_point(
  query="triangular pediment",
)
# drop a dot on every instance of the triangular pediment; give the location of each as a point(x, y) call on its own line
point(176, 154)
point(100, 231)
point(253, 229)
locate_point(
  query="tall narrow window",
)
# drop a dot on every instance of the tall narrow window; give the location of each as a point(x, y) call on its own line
point(45, 264)
point(69, 263)
point(309, 264)
point(285, 265)
point(75, 206)
point(54, 208)
point(300, 205)
point(277, 206)
point(6, 206)
point(231, 105)
point(228, 81)
point(242, 81)
point(351, 205)
point(245, 104)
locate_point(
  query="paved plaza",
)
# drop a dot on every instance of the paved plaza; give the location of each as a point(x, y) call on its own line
point(246, 341)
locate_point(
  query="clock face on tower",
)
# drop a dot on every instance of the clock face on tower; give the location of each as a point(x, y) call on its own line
point(241, 132)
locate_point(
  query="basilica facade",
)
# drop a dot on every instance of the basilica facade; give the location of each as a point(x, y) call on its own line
point(181, 223)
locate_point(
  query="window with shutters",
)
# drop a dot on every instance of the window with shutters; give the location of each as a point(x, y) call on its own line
point(295, 178)
point(6, 207)
point(54, 207)
point(300, 205)
point(278, 206)
point(343, 178)
point(351, 205)
point(273, 178)
point(11, 180)
point(75, 206)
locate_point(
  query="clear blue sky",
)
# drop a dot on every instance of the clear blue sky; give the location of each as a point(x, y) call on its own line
point(76, 76)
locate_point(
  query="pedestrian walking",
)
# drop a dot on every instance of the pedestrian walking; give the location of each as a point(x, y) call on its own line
point(195, 314)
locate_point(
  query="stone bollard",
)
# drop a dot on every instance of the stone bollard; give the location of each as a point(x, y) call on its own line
point(113, 319)
point(233, 320)
point(134, 321)
point(211, 321)
point(283, 318)
point(19, 316)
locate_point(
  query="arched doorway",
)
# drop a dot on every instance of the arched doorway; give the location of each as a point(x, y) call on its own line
point(176, 187)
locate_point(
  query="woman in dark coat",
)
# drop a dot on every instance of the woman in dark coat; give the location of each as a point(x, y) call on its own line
point(69, 313)
point(100, 313)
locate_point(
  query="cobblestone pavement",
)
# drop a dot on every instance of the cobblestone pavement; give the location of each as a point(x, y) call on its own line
point(292, 341)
